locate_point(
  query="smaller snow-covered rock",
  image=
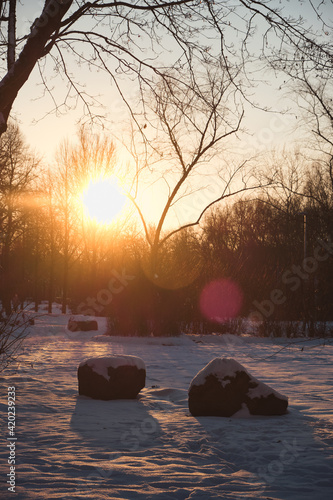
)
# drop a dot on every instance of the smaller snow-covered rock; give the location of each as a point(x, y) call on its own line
point(224, 386)
point(113, 377)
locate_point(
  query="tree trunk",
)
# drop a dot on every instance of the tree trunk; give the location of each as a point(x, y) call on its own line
point(65, 285)
point(6, 285)
point(11, 55)
point(52, 252)
point(36, 276)
point(36, 284)
point(51, 284)
point(66, 250)
point(37, 46)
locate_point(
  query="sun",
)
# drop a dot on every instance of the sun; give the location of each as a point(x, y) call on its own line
point(103, 200)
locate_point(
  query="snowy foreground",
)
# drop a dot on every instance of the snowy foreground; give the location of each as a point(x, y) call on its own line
point(73, 447)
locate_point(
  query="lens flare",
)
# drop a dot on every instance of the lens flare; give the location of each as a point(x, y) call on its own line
point(221, 300)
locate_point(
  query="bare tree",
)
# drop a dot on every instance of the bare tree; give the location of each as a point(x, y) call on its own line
point(188, 142)
point(309, 82)
point(13, 331)
point(137, 40)
point(18, 170)
point(92, 158)
point(316, 102)
point(64, 181)
point(308, 77)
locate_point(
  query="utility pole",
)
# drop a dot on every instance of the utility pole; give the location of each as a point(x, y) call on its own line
point(307, 306)
point(304, 234)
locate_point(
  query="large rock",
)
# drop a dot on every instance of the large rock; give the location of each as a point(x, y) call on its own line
point(113, 377)
point(224, 386)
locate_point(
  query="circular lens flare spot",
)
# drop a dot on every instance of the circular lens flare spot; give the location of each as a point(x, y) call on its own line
point(221, 300)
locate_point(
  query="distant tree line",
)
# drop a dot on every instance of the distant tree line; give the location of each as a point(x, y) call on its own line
point(275, 245)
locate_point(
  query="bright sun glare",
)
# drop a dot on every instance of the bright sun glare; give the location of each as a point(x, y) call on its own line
point(103, 200)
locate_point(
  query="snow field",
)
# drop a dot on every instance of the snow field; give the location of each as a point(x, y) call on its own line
point(73, 447)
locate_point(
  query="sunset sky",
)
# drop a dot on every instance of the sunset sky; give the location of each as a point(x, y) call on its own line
point(44, 130)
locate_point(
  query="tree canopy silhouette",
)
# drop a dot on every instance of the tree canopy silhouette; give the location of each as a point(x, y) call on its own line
point(140, 39)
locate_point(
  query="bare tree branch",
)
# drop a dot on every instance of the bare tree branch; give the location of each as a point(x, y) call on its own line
point(176, 34)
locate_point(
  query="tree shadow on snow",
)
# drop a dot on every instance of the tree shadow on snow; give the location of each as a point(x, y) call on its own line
point(121, 425)
point(289, 455)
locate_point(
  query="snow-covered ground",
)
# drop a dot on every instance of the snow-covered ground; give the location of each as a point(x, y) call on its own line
point(73, 447)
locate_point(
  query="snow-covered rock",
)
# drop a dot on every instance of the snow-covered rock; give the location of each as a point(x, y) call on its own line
point(224, 386)
point(113, 377)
